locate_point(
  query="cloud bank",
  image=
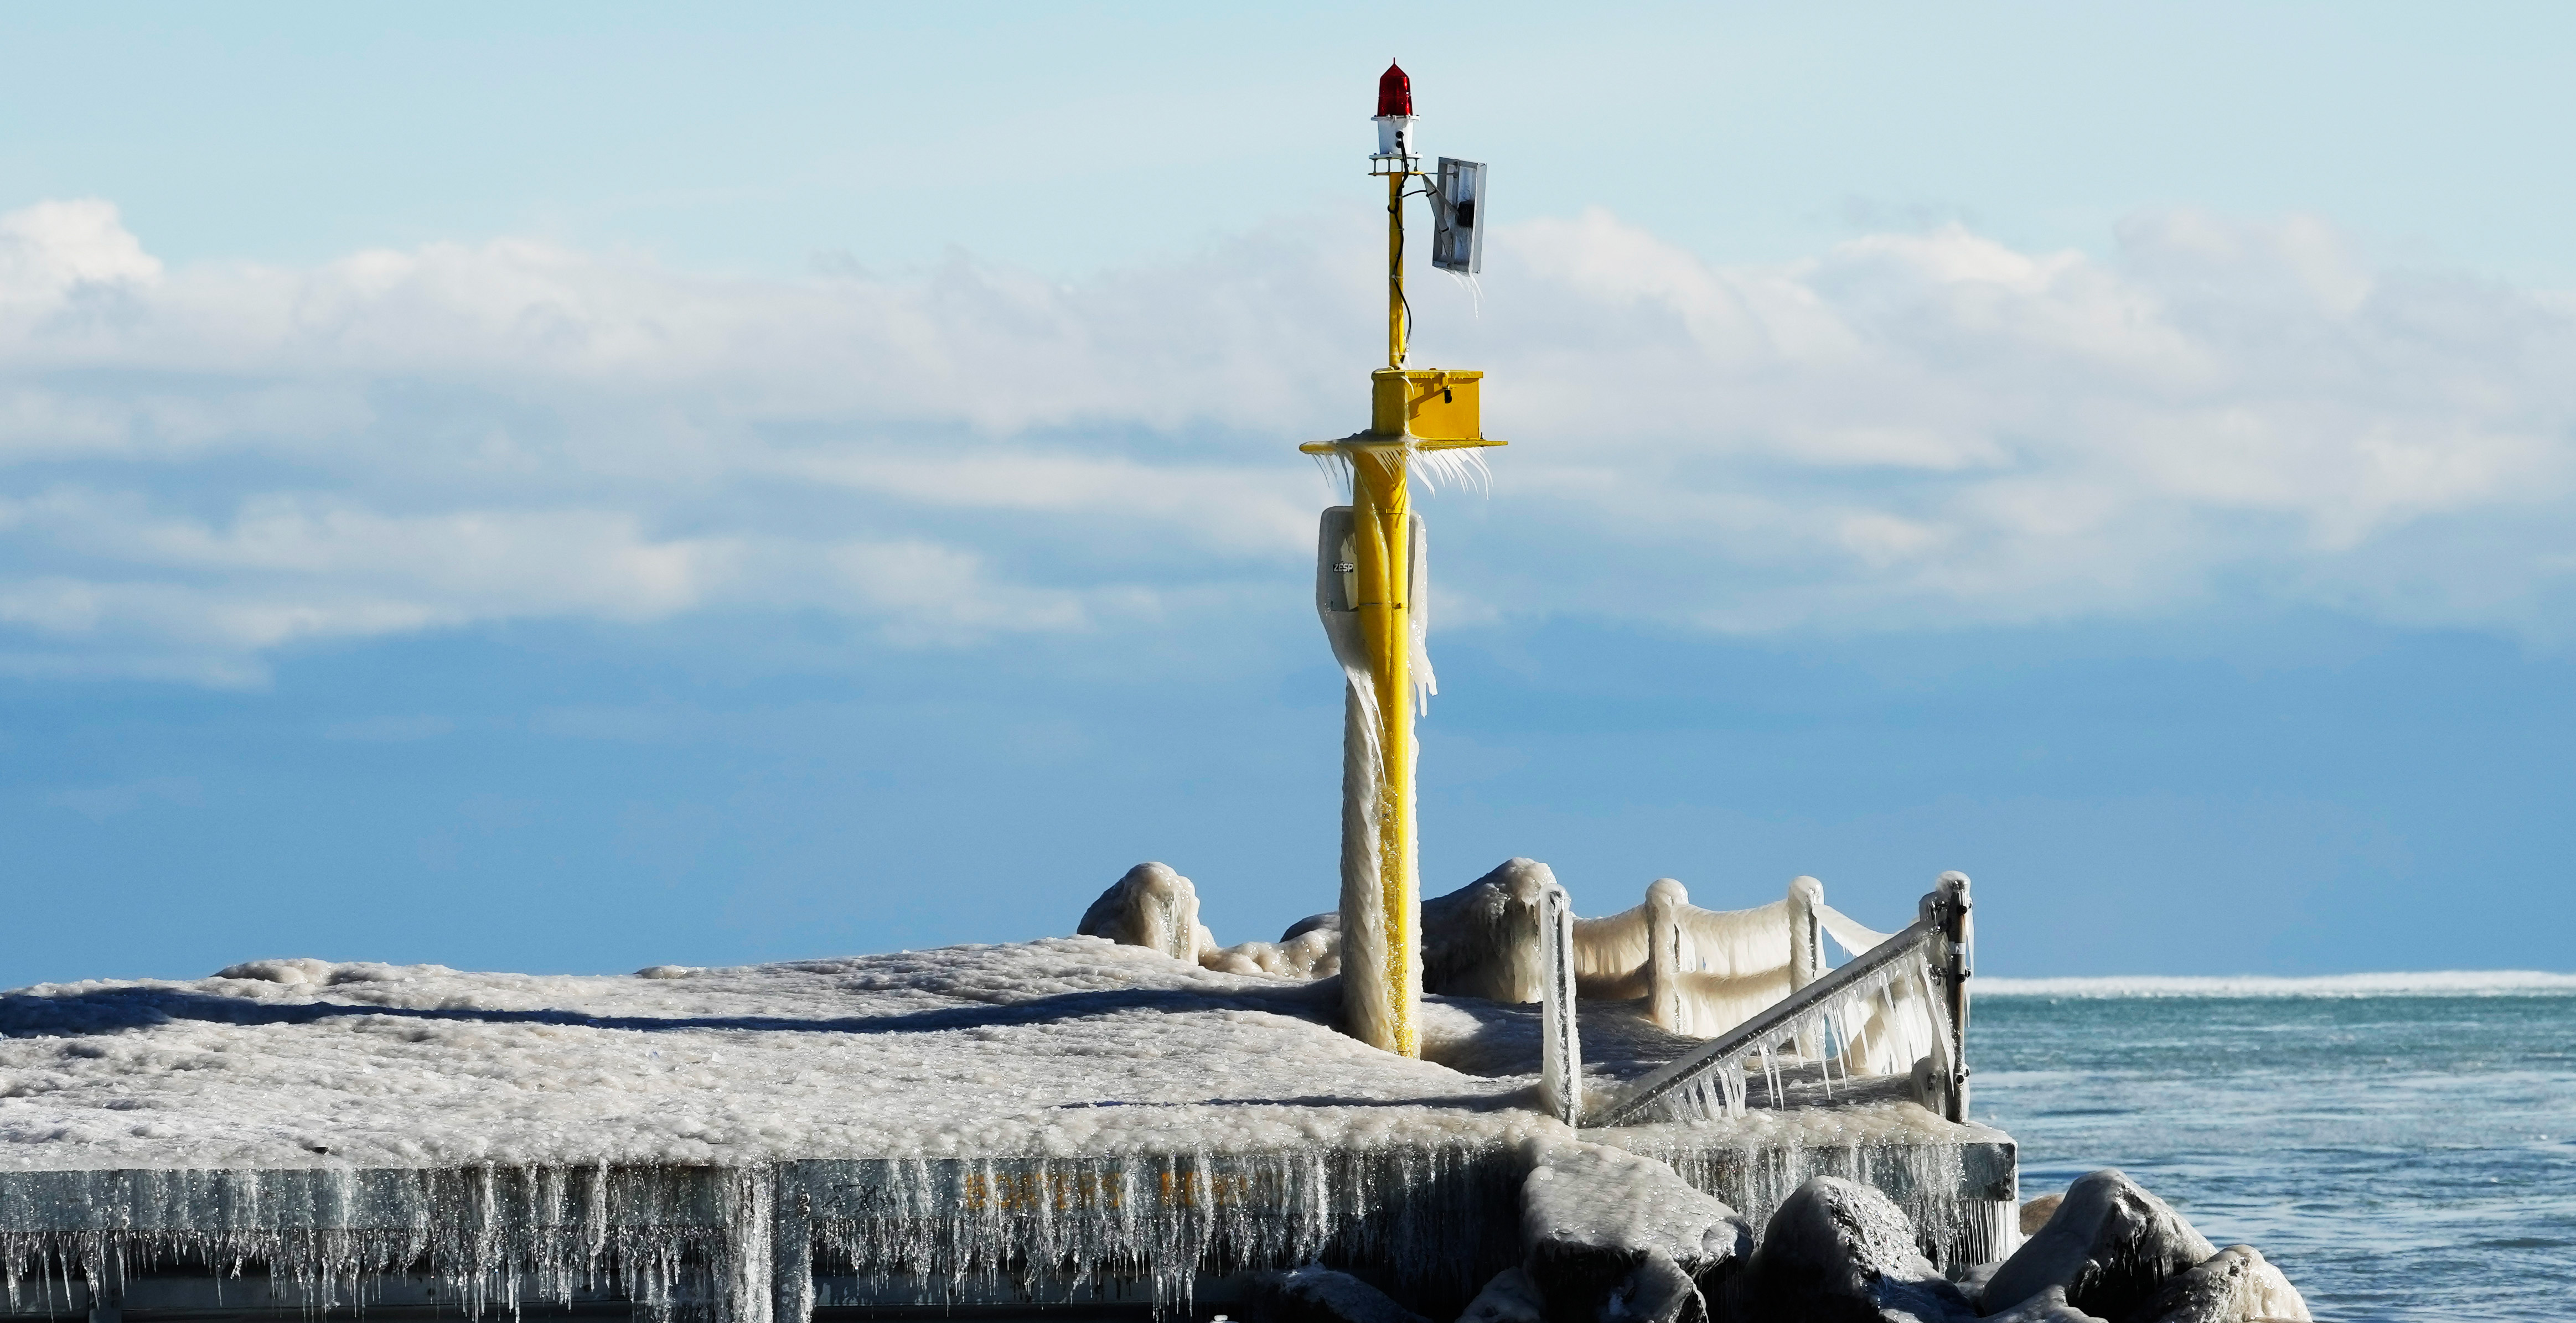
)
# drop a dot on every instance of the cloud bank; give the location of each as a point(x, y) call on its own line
point(206, 464)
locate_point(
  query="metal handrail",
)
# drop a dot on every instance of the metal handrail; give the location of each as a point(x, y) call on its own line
point(1716, 1053)
point(1942, 925)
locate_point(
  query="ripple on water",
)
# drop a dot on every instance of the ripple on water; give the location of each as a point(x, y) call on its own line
point(2401, 1157)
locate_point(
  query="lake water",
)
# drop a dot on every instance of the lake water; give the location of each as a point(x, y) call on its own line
point(2402, 1148)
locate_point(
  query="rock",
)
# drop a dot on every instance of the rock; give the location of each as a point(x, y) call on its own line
point(1510, 1298)
point(1151, 906)
point(1312, 946)
point(1972, 1281)
point(2235, 1285)
point(1329, 921)
point(1316, 1294)
point(1246, 958)
point(1482, 939)
point(2036, 1213)
point(1838, 1251)
point(1611, 1234)
point(1310, 950)
point(2048, 1306)
point(2111, 1244)
point(1656, 1291)
point(299, 970)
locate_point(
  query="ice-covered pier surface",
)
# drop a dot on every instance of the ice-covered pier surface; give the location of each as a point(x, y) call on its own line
point(1056, 1121)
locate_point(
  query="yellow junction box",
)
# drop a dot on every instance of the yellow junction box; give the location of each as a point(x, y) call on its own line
point(1439, 408)
point(1428, 404)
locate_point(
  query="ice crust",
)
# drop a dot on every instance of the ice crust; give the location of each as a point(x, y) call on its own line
point(1062, 1046)
point(1062, 1109)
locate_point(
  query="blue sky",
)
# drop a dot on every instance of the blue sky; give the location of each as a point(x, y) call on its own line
point(620, 486)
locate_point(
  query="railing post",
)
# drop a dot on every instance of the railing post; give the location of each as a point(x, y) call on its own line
point(1664, 901)
point(1953, 963)
point(1806, 932)
point(1560, 1051)
point(1806, 948)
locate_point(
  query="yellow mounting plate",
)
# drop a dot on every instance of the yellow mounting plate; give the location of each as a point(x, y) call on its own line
point(1438, 408)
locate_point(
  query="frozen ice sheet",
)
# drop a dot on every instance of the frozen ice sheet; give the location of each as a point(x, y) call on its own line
point(1062, 1046)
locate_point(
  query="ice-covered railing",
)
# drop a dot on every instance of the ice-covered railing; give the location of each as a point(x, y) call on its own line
point(1900, 1007)
point(1703, 972)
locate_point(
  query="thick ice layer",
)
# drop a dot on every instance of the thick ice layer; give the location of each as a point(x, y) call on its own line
point(1958, 1184)
point(977, 1118)
point(660, 1237)
point(1064, 1046)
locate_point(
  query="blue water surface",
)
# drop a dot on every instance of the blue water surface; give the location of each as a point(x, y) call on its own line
point(2399, 1156)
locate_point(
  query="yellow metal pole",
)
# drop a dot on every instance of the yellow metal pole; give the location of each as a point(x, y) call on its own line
point(1365, 592)
point(1382, 521)
point(1382, 515)
point(1395, 328)
point(1365, 585)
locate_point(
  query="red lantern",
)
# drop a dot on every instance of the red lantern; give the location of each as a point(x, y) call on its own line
point(1394, 113)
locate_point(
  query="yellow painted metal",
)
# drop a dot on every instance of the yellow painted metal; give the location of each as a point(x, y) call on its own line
point(1428, 404)
point(1382, 531)
point(1395, 309)
point(1409, 410)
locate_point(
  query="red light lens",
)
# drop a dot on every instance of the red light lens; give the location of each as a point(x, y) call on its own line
point(1394, 92)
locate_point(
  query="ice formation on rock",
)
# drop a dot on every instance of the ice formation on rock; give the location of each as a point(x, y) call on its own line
point(1156, 908)
point(1699, 971)
point(1317, 1294)
point(2110, 1243)
point(1482, 940)
point(1838, 1250)
point(2048, 1306)
point(1609, 1232)
point(1955, 1188)
point(2235, 1285)
point(1152, 907)
point(1511, 1297)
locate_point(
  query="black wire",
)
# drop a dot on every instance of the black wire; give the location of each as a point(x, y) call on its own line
point(1395, 277)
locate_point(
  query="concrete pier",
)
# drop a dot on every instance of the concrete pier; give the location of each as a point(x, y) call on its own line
point(1068, 1128)
point(1125, 1234)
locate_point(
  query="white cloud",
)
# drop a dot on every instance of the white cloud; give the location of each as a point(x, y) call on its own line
point(54, 253)
point(208, 463)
